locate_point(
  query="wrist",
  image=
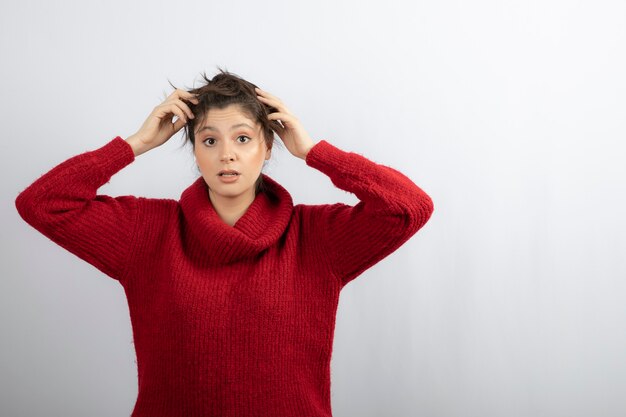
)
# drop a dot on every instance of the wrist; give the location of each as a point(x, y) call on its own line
point(307, 150)
point(138, 146)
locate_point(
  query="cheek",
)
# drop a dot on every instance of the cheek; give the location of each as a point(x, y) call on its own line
point(204, 161)
point(256, 154)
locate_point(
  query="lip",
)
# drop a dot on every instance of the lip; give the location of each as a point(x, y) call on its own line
point(228, 179)
point(228, 171)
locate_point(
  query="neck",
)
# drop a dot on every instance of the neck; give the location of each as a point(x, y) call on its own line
point(230, 209)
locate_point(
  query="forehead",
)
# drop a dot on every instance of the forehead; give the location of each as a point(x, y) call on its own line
point(234, 110)
point(225, 119)
point(231, 112)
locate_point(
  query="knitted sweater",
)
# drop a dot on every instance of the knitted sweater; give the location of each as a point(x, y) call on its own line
point(229, 320)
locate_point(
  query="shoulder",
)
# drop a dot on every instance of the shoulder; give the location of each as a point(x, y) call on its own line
point(155, 211)
point(158, 219)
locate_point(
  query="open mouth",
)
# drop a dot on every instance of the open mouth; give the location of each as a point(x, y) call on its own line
point(228, 173)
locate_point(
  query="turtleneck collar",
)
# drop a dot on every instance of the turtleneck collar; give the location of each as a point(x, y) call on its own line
point(261, 225)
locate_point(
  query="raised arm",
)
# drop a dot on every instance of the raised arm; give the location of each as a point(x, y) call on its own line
point(391, 210)
point(63, 204)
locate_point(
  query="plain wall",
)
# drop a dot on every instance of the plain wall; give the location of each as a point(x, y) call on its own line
point(511, 301)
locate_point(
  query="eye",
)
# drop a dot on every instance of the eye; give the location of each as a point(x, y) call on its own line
point(209, 144)
point(243, 136)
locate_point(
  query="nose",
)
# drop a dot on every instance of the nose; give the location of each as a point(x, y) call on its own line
point(227, 154)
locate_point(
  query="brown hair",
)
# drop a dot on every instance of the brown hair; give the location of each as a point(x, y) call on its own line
point(222, 90)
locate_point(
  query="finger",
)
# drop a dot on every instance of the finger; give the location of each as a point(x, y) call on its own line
point(275, 125)
point(185, 108)
point(284, 118)
point(178, 125)
point(273, 103)
point(260, 91)
point(193, 98)
point(173, 109)
point(179, 93)
point(186, 95)
point(267, 97)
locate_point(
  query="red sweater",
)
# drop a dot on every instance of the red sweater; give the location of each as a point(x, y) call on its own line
point(229, 320)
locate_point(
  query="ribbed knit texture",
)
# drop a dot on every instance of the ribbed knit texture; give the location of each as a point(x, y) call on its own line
point(229, 320)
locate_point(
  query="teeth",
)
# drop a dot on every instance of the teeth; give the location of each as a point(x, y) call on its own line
point(229, 175)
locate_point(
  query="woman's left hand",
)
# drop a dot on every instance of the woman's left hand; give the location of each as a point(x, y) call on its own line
point(291, 132)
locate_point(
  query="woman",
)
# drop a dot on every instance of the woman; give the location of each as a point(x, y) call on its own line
point(232, 290)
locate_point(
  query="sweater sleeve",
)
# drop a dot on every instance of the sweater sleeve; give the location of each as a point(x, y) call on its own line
point(391, 210)
point(63, 205)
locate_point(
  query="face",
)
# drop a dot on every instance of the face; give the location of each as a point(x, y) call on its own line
point(229, 140)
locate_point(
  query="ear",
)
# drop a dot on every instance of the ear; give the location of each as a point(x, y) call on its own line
point(268, 154)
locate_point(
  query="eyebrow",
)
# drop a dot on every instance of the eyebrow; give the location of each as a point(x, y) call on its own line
point(231, 128)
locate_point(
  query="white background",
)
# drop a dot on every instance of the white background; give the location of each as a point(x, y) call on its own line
point(511, 301)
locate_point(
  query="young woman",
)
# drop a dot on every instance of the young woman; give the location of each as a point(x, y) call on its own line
point(232, 290)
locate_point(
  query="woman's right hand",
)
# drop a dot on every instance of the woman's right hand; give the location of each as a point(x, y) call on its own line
point(158, 127)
